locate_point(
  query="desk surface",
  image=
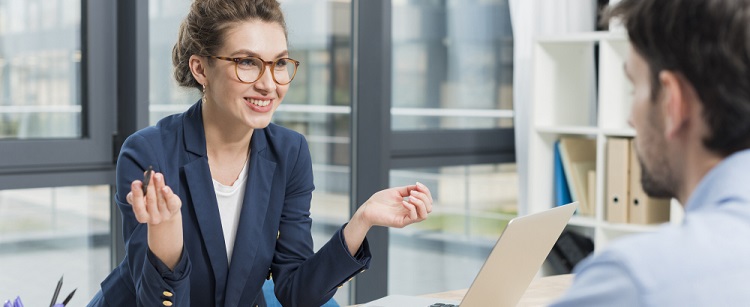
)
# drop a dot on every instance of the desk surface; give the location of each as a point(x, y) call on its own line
point(541, 291)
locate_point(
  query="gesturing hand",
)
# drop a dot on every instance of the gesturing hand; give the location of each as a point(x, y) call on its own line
point(160, 204)
point(398, 207)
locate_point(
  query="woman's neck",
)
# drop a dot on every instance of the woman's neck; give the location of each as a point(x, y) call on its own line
point(227, 146)
point(225, 136)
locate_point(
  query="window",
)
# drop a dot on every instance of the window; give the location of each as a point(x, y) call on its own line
point(57, 119)
point(50, 232)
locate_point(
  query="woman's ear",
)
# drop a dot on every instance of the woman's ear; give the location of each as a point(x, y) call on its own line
point(198, 65)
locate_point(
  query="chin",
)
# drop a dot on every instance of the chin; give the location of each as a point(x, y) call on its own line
point(258, 124)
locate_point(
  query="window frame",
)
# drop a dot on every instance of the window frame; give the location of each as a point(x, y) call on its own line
point(88, 160)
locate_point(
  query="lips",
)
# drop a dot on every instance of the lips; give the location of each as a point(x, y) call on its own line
point(259, 105)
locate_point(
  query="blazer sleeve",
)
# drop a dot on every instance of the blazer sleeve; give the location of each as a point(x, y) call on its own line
point(302, 278)
point(153, 282)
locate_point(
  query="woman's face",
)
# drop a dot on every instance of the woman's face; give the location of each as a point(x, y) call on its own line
point(251, 105)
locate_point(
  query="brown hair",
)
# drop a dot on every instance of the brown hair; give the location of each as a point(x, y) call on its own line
point(707, 42)
point(202, 31)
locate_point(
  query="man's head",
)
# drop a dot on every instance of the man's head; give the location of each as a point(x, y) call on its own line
point(690, 68)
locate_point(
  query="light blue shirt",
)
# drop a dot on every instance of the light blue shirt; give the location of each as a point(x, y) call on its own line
point(703, 262)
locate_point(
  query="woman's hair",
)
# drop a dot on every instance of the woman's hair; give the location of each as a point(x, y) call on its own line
point(202, 31)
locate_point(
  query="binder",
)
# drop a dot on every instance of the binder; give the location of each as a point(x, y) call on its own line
point(618, 161)
point(642, 208)
point(592, 194)
point(578, 158)
point(562, 190)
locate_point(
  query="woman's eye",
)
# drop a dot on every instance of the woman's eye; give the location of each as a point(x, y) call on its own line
point(248, 62)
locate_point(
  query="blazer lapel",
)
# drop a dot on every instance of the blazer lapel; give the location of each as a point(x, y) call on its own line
point(204, 205)
point(252, 217)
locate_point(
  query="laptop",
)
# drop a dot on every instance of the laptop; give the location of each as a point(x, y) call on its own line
point(513, 262)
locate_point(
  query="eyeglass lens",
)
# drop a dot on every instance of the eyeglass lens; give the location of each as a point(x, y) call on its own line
point(249, 70)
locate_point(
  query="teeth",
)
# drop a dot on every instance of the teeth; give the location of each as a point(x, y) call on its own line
point(260, 103)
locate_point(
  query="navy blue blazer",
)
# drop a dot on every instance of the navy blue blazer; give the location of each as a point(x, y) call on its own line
point(273, 236)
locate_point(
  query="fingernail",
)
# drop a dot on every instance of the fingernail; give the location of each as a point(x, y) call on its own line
point(420, 184)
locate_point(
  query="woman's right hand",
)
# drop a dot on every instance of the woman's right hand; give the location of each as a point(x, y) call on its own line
point(160, 205)
point(160, 210)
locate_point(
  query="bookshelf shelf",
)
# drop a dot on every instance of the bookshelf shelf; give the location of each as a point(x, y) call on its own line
point(568, 130)
point(618, 132)
point(628, 227)
point(583, 37)
point(582, 221)
point(574, 95)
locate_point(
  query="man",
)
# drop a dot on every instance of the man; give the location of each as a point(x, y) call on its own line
point(690, 69)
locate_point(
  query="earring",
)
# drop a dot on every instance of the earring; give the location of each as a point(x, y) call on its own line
point(205, 86)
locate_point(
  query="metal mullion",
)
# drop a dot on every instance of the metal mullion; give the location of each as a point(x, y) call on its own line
point(132, 90)
point(371, 129)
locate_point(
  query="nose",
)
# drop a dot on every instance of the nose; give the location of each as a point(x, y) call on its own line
point(265, 84)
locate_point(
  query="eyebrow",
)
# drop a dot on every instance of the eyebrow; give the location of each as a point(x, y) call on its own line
point(282, 54)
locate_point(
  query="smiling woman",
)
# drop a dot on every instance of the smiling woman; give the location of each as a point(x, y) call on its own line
point(228, 203)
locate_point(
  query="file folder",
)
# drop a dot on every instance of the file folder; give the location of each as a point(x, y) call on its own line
point(578, 158)
point(592, 194)
point(644, 209)
point(618, 161)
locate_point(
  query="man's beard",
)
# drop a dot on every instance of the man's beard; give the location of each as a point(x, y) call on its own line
point(652, 186)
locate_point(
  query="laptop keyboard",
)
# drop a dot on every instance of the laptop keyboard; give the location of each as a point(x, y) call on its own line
point(443, 305)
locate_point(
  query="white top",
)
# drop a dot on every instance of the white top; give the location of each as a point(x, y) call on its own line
point(230, 199)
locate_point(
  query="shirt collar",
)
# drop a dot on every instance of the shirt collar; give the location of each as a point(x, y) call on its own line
point(727, 181)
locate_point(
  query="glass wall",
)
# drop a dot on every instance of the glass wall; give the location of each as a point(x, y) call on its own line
point(52, 232)
point(452, 64)
point(452, 69)
point(40, 69)
point(472, 204)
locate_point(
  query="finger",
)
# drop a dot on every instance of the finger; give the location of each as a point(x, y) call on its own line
point(416, 200)
point(424, 198)
point(424, 189)
point(173, 201)
point(403, 191)
point(412, 210)
point(137, 202)
point(152, 202)
point(161, 200)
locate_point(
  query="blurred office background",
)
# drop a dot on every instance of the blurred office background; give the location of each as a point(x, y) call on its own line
point(76, 77)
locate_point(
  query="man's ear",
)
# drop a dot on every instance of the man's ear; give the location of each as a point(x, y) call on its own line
point(198, 67)
point(676, 106)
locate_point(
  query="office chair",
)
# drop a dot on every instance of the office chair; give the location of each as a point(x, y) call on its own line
point(271, 300)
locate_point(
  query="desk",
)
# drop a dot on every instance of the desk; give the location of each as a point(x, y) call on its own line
point(541, 291)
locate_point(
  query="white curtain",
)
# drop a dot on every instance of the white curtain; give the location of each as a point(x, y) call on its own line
point(531, 19)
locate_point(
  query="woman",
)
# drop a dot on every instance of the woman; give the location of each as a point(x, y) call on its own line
point(228, 203)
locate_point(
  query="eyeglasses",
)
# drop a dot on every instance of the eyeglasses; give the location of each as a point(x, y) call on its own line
point(250, 69)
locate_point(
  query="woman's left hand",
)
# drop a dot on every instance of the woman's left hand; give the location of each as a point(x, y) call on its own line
point(398, 207)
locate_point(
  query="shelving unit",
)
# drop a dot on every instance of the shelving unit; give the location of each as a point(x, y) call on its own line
point(572, 98)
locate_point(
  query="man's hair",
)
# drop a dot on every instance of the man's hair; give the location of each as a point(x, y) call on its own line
point(707, 42)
